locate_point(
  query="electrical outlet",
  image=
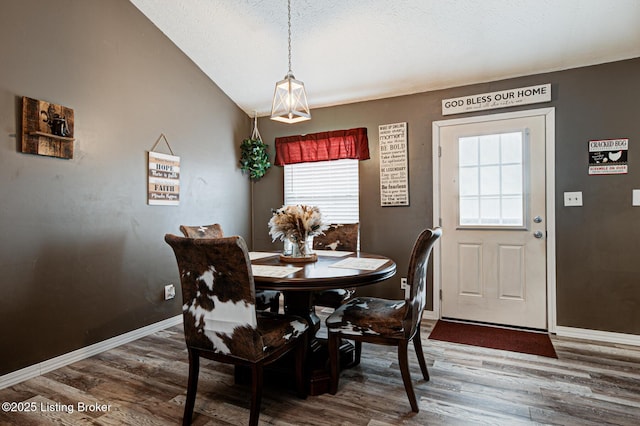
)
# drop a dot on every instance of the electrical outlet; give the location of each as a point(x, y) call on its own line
point(169, 292)
point(403, 283)
point(573, 199)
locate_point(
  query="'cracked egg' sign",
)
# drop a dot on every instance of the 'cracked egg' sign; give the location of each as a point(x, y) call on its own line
point(608, 156)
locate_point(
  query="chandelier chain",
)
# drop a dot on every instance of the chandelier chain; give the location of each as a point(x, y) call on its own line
point(289, 22)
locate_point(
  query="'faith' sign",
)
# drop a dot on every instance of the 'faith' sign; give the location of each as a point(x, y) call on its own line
point(164, 179)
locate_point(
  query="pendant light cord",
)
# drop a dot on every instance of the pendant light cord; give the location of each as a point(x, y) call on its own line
point(289, 22)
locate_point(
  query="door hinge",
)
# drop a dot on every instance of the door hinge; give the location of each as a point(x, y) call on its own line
point(440, 222)
point(440, 294)
point(439, 151)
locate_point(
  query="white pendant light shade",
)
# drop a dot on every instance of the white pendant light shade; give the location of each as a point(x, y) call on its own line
point(290, 101)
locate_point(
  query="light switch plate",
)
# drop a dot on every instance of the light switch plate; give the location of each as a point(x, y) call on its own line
point(573, 199)
point(635, 199)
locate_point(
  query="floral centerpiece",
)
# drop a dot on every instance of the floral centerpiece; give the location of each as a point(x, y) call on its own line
point(296, 224)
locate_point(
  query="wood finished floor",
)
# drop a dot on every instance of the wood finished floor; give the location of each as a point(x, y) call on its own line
point(144, 383)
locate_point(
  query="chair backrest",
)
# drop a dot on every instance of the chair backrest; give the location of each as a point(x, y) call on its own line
point(339, 236)
point(417, 278)
point(202, 231)
point(218, 295)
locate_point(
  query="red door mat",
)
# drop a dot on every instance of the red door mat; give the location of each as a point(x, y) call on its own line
point(494, 337)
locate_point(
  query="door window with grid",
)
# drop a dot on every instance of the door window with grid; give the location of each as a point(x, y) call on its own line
point(491, 180)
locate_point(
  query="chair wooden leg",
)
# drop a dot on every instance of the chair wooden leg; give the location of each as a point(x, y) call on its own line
point(417, 344)
point(256, 393)
point(192, 386)
point(358, 353)
point(274, 306)
point(403, 360)
point(334, 361)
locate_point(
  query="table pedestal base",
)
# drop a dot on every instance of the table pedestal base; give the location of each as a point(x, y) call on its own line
point(282, 371)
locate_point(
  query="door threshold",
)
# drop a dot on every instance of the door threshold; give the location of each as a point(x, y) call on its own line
point(490, 324)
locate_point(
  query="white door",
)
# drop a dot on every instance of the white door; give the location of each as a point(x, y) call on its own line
point(492, 211)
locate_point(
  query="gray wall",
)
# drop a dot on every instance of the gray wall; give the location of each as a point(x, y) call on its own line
point(598, 245)
point(82, 255)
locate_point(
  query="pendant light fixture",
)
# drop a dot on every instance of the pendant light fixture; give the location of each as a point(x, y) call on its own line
point(289, 98)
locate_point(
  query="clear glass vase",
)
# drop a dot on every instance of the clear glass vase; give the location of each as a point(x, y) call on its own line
point(302, 247)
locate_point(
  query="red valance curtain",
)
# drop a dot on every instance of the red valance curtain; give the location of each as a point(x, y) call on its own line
point(334, 145)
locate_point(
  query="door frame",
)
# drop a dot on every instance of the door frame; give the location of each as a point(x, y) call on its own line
point(549, 116)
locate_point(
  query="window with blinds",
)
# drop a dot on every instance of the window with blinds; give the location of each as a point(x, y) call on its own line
point(330, 185)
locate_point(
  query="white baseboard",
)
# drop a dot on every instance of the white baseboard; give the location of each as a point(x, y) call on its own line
point(430, 315)
point(83, 353)
point(600, 336)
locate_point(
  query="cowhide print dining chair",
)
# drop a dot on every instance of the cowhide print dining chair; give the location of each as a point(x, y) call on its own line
point(265, 299)
point(220, 318)
point(342, 237)
point(202, 231)
point(387, 322)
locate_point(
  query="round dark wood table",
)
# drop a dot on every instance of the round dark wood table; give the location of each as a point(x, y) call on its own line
point(298, 288)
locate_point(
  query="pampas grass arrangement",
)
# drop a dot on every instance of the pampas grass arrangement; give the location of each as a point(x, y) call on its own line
point(296, 224)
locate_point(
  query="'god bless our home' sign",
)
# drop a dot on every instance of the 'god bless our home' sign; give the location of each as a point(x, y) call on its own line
point(501, 99)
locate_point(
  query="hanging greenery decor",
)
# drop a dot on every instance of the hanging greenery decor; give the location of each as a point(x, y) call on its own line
point(254, 158)
point(254, 154)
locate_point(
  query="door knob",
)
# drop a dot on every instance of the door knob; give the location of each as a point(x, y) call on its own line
point(537, 219)
point(538, 234)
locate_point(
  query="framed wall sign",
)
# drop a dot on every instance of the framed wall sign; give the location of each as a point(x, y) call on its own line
point(163, 188)
point(394, 174)
point(505, 98)
point(47, 129)
point(608, 156)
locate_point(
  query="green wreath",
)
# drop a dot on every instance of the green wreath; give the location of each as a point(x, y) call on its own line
point(254, 158)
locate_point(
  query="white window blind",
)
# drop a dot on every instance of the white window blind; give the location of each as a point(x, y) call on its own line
point(330, 185)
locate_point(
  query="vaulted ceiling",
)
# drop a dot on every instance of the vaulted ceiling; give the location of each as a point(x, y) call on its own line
point(353, 50)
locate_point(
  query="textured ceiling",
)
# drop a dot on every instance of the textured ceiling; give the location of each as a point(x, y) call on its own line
point(353, 50)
